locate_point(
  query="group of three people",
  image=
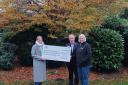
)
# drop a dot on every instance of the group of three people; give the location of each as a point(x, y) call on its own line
point(78, 67)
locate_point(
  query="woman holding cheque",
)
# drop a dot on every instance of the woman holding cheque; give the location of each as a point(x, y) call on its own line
point(83, 60)
point(39, 63)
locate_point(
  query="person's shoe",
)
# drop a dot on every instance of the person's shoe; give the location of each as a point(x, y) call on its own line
point(71, 84)
point(75, 84)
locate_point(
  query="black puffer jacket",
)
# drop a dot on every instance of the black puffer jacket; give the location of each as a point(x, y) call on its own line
point(83, 54)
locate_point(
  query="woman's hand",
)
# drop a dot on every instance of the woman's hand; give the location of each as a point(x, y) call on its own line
point(43, 59)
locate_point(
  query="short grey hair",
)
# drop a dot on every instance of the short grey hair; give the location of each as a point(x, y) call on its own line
point(82, 35)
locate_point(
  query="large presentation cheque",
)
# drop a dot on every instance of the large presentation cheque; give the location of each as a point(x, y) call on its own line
point(56, 53)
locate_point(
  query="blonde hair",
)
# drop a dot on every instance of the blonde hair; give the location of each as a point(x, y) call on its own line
point(82, 35)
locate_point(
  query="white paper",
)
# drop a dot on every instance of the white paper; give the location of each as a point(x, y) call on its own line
point(56, 53)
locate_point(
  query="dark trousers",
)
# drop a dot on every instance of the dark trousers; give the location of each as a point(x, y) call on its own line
point(73, 75)
point(37, 83)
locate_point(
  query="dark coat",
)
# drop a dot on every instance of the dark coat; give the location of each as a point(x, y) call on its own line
point(83, 54)
point(73, 54)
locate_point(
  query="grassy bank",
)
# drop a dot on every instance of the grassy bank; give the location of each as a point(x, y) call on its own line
point(120, 81)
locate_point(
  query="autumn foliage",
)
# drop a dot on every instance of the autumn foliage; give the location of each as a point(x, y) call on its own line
point(71, 14)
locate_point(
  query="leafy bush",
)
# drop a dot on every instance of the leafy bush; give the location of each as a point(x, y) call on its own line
point(30, 34)
point(24, 53)
point(6, 61)
point(121, 25)
point(7, 57)
point(108, 50)
point(7, 50)
point(115, 23)
point(125, 35)
point(6, 34)
point(25, 39)
point(124, 14)
point(8, 47)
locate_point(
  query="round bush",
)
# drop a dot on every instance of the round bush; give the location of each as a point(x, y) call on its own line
point(7, 52)
point(6, 60)
point(115, 23)
point(121, 25)
point(108, 50)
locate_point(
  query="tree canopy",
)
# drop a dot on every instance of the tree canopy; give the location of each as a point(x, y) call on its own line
point(70, 14)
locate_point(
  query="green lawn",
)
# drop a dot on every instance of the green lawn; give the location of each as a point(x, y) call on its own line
point(120, 81)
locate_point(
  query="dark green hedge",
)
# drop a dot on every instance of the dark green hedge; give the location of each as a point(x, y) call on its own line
point(7, 55)
point(125, 35)
point(115, 23)
point(108, 50)
point(25, 39)
point(119, 24)
point(124, 14)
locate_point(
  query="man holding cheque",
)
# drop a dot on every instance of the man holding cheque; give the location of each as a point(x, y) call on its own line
point(72, 68)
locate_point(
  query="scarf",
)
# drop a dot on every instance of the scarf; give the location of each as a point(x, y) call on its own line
point(40, 44)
